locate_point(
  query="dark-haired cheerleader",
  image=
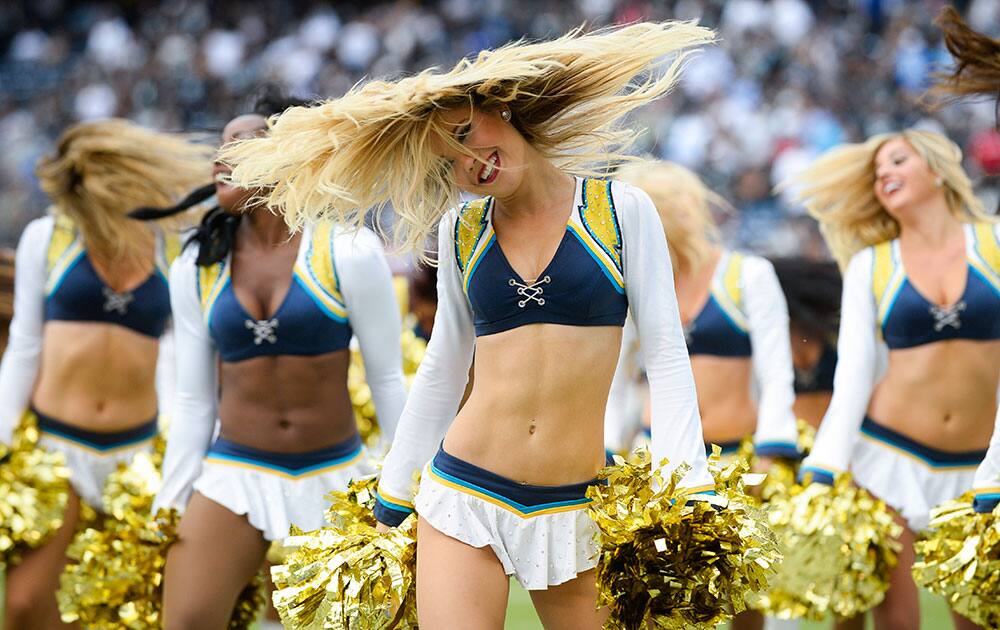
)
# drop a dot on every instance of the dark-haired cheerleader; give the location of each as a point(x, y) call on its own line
point(264, 320)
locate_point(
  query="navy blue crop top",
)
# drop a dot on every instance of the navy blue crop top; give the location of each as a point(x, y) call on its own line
point(75, 292)
point(583, 284)
point(907, 319)
point(721, 328)
point(311, 320)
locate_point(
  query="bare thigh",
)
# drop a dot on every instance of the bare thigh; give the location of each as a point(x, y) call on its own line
point(571, 605)
point(458, 586)
point(215, 556)
point(32, 584)
point(901, 606)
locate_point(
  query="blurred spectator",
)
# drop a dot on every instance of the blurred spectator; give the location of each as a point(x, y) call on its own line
point(789, 79)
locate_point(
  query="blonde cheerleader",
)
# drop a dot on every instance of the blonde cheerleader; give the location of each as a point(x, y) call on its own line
point(534, 280)
point(915, 390)
point(264, 321)
point(90, 305)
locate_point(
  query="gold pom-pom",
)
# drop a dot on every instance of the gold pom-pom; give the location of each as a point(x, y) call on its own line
point(34, 491)
point(840, 546)
point(349, 575)
point(115, 579)
point(672, 561)
point(361, 395)
point(961, 560)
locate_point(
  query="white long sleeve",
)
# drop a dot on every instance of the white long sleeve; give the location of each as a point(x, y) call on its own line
point(196, 387)
point(623, 415)
point(857, 372)
point(372, 309)
point(649, 284)
point(21, 359)
point(767, 316)
point(986, 483)
point(437, 389)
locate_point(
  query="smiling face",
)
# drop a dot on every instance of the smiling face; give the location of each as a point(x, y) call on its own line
point(499, 150)
point(902, 177)
point(233, 199)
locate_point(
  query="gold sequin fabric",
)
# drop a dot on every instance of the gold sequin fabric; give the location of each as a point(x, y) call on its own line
point(349, 576)
point(960, 560)
point(34, 491)
point(668, 561)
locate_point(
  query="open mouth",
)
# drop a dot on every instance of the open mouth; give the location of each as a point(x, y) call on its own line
point(220, 174)
point(488, 173)
point(890, 187)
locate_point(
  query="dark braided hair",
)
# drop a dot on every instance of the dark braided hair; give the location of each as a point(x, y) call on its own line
point(216, 234)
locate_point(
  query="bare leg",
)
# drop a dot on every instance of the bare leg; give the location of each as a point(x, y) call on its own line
point(458, 586)
point(571, 605)
point(215, 556)
point(748, 620)
point(32, 584)
point(961, 623)
point(854, 623)
point(901, 606)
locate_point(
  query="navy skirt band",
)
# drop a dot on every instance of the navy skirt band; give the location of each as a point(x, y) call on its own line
point(295, 464)
point(97, 440)
point(931, 456)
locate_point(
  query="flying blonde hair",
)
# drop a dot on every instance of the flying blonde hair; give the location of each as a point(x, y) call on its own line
point(838, 189)
point(102, 170)
point(684, 204)
point(352, 155)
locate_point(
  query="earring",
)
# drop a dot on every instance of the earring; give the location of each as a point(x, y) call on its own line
point(505, 115)
point(939, 181)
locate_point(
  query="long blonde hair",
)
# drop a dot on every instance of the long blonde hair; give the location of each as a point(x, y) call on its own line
point(838, 189)
point(684, 204)
point(102, 170)
point(374, 146)
point(977, 60)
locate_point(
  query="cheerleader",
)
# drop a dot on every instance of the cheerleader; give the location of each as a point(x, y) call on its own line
point(264, 320)
point(919, 357)
point(735, 322)
point(812, 291)
point(534, 280)
point(90, 305)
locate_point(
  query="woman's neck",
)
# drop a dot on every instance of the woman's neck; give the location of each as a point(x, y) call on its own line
point(263, 227)
point(543, 187)
point(931, 225)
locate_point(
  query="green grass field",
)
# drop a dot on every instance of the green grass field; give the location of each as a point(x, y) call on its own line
point(521, 616)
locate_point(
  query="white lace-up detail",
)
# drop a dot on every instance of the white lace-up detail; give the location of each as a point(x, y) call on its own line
point(947, 316)
point(531, 292)
point(117, 302)
point(263, 330)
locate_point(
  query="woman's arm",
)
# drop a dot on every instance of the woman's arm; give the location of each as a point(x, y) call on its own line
point(623, 415)
point(857, 356)
point(374, 315)
point(987, 481)
point(649, 283)
point(437, 388)
point(196, 388)
point(19, 368)
point(767, 312)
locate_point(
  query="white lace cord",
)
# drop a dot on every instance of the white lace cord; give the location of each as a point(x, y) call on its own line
point(947, 316)
point(117, 302)
point(531, 292)
point(263, 330)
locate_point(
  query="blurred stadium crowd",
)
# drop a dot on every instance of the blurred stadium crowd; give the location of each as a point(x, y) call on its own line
point(791, 78)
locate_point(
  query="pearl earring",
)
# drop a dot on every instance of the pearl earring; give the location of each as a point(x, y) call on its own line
point(505, 115)
point(939, 182)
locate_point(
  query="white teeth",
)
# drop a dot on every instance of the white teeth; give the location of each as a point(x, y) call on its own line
point(221, 177)
point(487, 172)
point(891, 187)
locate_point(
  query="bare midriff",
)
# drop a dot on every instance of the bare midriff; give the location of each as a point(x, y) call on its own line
point(942, 395)
point(536, 410)
point(727, 410)
point(95, 376)
point(287, 404)
point(811, 406)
